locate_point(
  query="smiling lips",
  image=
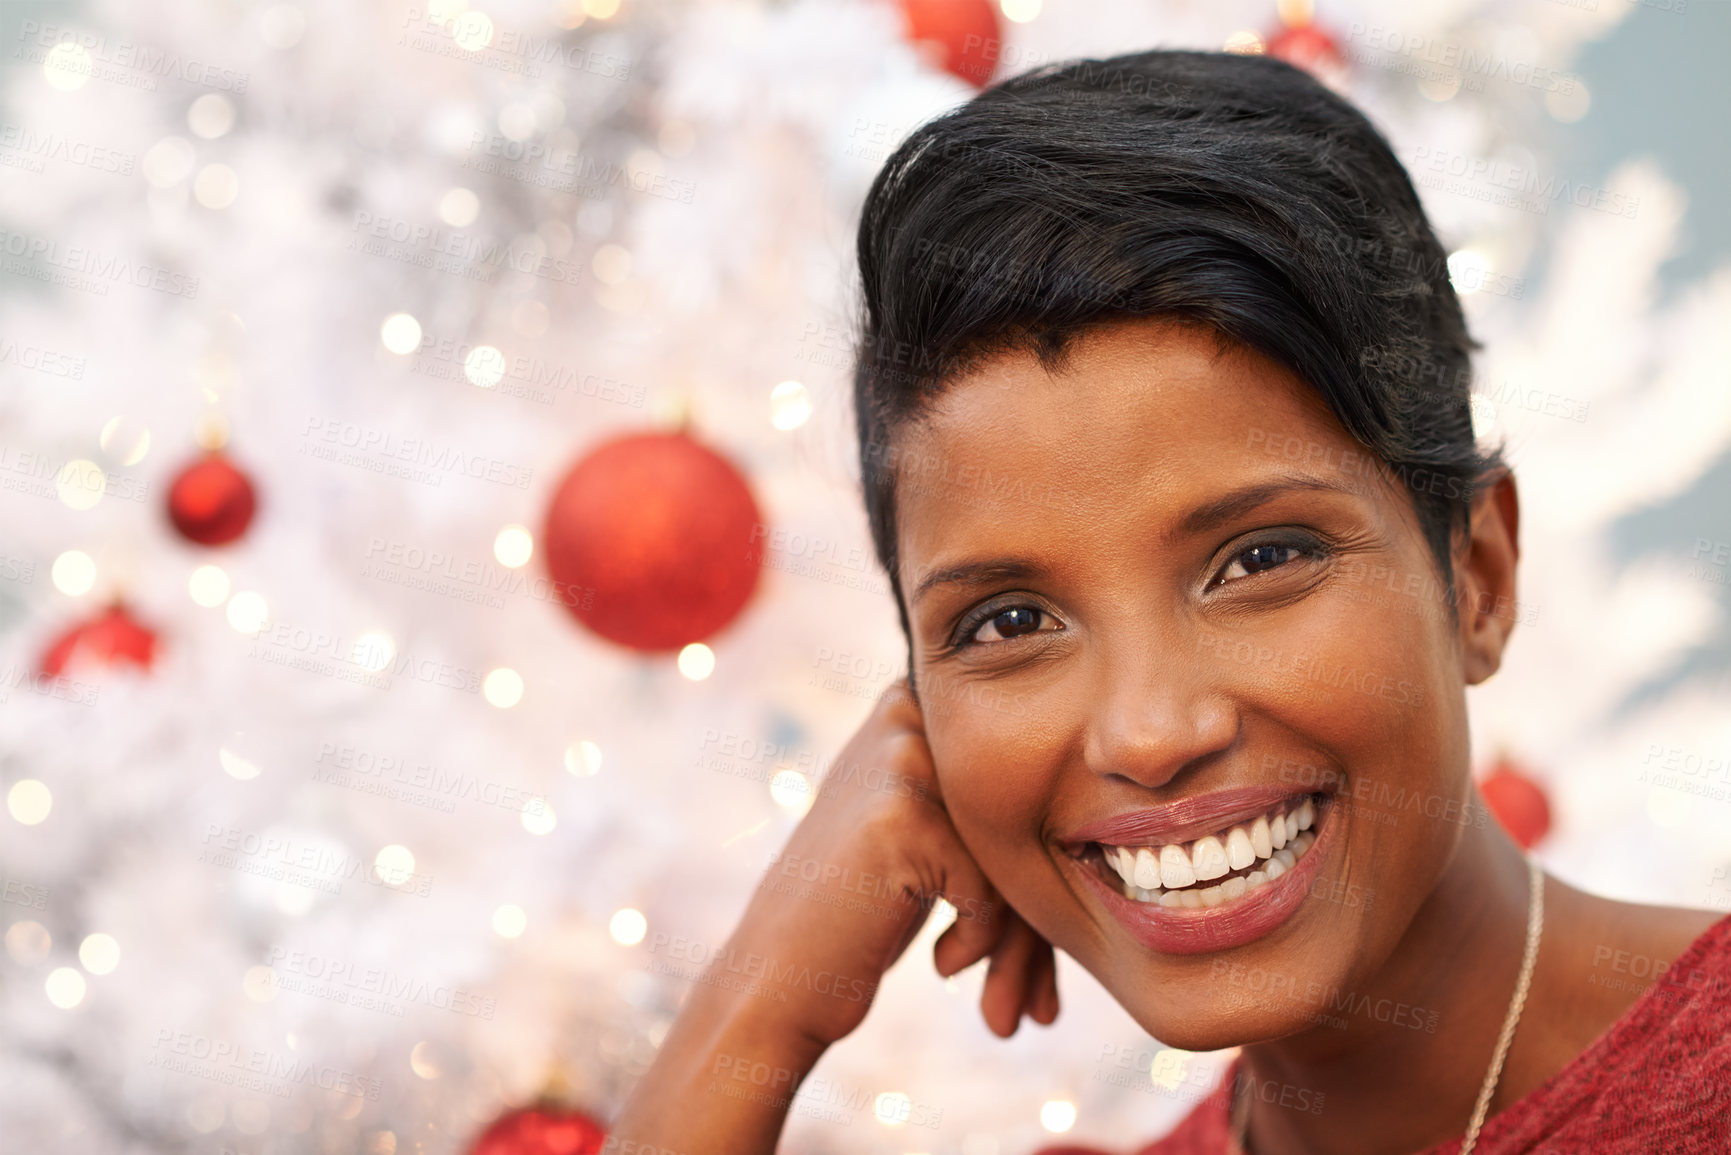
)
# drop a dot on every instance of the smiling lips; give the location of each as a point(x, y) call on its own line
point(1244, 857)
point(1209, 891)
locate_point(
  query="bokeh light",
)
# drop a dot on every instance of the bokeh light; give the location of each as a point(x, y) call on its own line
point(29, 801)
point(74, 573)
point(514, 546)
point(502, 687)
point(628, 926)
point(697, 661)
point(99, 953)
point(65, 987)
point(208, 586)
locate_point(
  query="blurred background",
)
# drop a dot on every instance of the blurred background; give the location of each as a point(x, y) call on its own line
point(391, 723)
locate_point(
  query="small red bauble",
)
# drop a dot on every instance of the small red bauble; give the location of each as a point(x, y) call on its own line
point(650, 541)
point(109, 639)
point(1518, 803)
point(541, 1131)
point(964, 35)
point(211, 502)
point(1308, 47)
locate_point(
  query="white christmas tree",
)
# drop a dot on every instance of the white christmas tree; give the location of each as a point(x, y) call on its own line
point(384, 843)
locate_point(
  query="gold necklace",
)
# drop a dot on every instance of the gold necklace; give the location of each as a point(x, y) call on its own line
point(1535, 926)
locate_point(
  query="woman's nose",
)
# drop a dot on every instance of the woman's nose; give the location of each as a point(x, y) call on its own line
point(1156, 714)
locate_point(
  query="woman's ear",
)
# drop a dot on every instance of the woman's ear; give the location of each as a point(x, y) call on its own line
point(1485, 578)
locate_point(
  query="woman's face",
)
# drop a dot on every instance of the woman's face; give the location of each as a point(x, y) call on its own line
point(1164, 610)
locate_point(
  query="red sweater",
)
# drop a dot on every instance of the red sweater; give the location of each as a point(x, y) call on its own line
point(1657, 1080)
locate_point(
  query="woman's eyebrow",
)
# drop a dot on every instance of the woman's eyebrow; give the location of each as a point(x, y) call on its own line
point(1241, 501)
point(978, 573)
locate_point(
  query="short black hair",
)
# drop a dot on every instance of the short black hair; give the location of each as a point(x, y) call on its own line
point(1233, 191)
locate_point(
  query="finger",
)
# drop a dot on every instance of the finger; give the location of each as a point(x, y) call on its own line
point(1009, 977)
point(1042, 1005)
point(980, 920)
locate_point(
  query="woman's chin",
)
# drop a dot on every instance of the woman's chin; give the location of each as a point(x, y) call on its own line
point(1205, 1028)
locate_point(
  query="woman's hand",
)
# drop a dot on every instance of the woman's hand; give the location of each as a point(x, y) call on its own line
point(838, 906)
point(858, 877)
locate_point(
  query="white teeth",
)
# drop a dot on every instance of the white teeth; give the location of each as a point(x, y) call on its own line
point(1260, 841)
point(1209, 858)
point(1147, 869)
point(1167, 875)
point(1239, 850)
point(1175, 868)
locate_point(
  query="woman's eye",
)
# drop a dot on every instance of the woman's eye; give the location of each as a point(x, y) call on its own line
point(1258, 559)
point(1010, 623)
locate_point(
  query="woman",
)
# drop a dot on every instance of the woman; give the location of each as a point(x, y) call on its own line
point(1163, 407)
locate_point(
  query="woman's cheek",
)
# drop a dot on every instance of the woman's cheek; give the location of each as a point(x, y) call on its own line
point(995, 786)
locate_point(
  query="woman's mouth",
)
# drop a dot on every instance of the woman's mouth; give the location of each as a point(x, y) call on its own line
point(1216, 868)
point(1211, 891)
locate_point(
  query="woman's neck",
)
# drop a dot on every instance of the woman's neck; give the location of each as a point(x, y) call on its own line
point(1400, 1068)
point(1390, 1085)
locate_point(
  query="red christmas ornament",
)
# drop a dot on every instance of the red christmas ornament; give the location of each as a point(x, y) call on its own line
point(964, 35)
point(112, 637)
point(652, 541)
point(543, 1130)
point(211, 502)
point(1518, 803)
point(1308, 47)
